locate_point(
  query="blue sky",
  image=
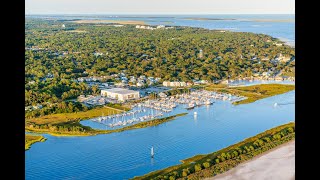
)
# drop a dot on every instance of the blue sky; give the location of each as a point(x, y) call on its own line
point(160, 6)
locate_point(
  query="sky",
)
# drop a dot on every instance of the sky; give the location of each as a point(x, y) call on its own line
point(159, 7)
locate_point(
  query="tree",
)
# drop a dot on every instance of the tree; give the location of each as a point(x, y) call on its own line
point(95, 89)
point(185, 172)
point(217, 161)
point(206, 165)
point(197, 167)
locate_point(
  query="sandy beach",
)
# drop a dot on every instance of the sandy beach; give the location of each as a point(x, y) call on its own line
point(277, 164)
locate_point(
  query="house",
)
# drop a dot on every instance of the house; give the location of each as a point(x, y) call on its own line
point(101, 101)
point(265, 74)
point(183, 84)
point(162, 95)
point(189, 83)
point(120, 84)
point(265, 58)
point(120, 94)
point(282, 58)
point(166, 83)
point(175, 84)
point(279, 78)
point(31, 82)
point(225, 82)
point(140, 84)
point(160, 26)
point(38, 106)
point(204, 81)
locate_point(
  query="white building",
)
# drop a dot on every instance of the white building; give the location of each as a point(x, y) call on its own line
point(166, 83)
point(120, 94)
point(140, 84)
point(162, 95)
point(183, 84)
point(160, 26)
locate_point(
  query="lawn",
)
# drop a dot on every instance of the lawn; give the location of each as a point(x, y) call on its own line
point(67, 117)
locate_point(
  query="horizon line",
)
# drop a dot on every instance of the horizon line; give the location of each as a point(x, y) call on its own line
point(160, 14)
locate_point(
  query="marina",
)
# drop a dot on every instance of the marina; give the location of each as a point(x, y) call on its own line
point(158, 108)
point(127, 154)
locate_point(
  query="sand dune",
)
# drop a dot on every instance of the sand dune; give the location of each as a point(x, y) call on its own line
point(277, 164)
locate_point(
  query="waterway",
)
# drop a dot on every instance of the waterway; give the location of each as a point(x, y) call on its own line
point(127, 154)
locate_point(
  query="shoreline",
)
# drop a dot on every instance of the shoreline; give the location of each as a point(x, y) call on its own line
point(217, 165)
point(140, 125)
point(252, 93)
point(32, 139)
point(250, 168)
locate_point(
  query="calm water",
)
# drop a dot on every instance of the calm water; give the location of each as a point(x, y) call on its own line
point(149, 111)
point(242, 23)
point(127, 154)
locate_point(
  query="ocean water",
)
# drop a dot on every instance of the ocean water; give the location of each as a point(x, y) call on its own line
point(127, 154)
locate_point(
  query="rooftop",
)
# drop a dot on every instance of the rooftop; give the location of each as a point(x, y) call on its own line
point(119, 91)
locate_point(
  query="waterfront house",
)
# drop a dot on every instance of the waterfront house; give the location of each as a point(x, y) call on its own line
point(225, 82)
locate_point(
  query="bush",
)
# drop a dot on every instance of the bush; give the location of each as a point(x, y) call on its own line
point(206, 165)
point(217, 161)
point(197, 167)
point(185, 172)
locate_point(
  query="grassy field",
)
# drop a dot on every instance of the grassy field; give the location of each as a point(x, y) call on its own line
point(30, 139)
point(254, 92)
point(208, 165)
point(88, 131)
point(68, 117)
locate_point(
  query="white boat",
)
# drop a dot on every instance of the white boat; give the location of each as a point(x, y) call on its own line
point(208, 102)
point(190, 106)
point(152, 152)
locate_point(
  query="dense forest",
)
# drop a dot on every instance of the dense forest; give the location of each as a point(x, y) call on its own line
point(56, 55)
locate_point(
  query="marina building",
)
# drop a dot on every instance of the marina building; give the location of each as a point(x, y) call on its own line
point(120, 94)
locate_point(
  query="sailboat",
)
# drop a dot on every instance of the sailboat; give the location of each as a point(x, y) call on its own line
point(152, 153)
